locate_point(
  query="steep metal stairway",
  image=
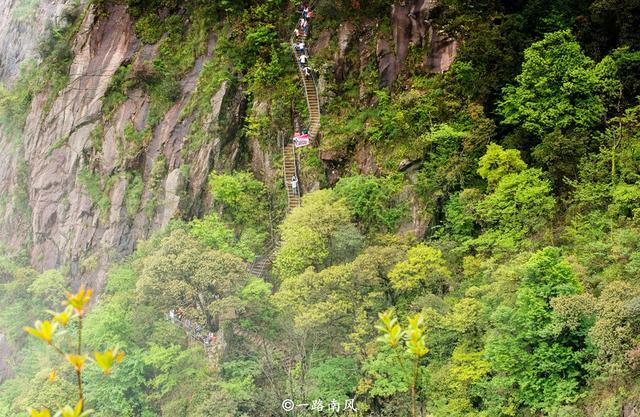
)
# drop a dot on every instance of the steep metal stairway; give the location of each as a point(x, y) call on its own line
point(261, 264)
point(310, 91)
point(290, 167)
point(313, 104)
point(211, 347)
point(259, 341)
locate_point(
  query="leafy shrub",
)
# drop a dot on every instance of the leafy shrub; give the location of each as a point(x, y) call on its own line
point(373, 201)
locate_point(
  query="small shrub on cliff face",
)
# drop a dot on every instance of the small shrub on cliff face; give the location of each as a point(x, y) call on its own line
point(133, 197)
point(14, 103)
point(116, 93)
point(98, 191)
point(149, 28)
point(158, 172)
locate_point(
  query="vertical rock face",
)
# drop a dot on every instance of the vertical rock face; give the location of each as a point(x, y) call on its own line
point(56, 150)
point(442, 52)
point(411, 24)
point(21, 25)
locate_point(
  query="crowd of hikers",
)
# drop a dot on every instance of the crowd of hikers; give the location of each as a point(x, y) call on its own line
point(194, 329)
point(301, 32)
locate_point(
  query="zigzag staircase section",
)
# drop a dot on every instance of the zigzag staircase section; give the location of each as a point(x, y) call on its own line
point(310, 91)
point(263, 343)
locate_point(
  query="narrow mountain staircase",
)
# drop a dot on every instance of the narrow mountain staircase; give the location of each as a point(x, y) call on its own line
point(310, 91)
point(313, 104)
point(259, 341)
point(291, 170)
point(262, 264)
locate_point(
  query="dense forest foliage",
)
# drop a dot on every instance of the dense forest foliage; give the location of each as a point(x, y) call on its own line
point(522, 298)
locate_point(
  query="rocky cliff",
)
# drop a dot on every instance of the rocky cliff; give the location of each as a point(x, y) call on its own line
point(60, 162)
point(83, 183)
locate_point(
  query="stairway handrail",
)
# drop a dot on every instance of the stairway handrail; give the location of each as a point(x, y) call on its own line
point(312, 6)
point(268, 252)
point(295, 168)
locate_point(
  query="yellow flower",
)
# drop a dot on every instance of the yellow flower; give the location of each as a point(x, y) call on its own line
point(53, 376)
point(39, 413)
point(73, 412)
point(77, 361)
point(80, 299)
point(64, 317)
point(44, 330)
point(107, 359)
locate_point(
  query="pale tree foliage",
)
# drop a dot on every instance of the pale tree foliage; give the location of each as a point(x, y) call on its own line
point(424, 269)
point(184, 273)
point(498, 162)
point(520, 201)
point(335, 309)
point(311, 231)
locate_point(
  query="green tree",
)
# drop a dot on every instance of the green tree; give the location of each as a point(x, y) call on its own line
point(497, 162)
point(47, 287)
point(615, 330)
point(342, 300)
point(537, 363)
point(373, 201)
point(559, 88)
point(560, 95)
point(241, 197)
point(424, 270)
point(214, 233)
point(311, 231)
point(520, 204)
point(182, 272)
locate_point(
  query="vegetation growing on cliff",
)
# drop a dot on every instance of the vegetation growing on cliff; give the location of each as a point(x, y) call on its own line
point(484, 222)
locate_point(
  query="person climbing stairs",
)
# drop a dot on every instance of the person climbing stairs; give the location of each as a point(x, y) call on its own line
point(291, 173)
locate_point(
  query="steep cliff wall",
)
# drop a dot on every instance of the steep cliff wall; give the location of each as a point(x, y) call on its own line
point(79, 171)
